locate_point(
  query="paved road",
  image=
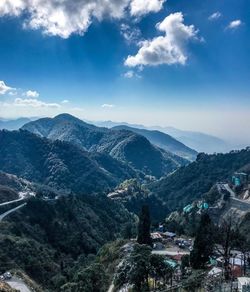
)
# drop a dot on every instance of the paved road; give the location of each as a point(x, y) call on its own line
point(232, 193)
point(169, 253)
point(10, 202)
point(18, 284)
point(2, 216)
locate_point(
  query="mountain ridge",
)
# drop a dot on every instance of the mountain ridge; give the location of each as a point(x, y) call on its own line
point(125, 146)
point(163, 141)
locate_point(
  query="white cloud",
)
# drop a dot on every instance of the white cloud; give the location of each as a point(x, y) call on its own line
point(142, 7)
point(65, 101)
point(34, 103)
point(32, 94)
point(129, 74)
point(63, 18)
point(106, 105)
point(4, 88)
point(216, 15)
point(168, 49)
point(131, 35)
point(234, 24)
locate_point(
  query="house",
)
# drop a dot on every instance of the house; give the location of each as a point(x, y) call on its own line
point(169, 234)
point(243, 284)
point(158, 246)
point(156, 236)
point(215, 271)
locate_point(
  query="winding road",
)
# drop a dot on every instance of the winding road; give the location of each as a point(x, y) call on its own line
point(2, 216)
point(18, 284)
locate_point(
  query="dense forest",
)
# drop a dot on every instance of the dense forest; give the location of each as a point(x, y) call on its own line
point(194, 180)
point(53, 240)
point(126, 146)
point(58, 164)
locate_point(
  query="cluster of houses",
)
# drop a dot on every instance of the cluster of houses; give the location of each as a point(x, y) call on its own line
point(173, 248)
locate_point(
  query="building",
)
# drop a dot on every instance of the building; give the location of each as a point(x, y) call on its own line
point(156, 236)
point(243, 284)
point(239, 178)
point(169, 234)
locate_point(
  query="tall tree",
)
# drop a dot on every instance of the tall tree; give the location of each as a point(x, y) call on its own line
point(144, 227)
point(203, 244)
point(227, 236)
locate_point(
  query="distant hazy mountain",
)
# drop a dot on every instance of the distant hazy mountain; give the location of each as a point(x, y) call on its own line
point(125, 146)
point(198, 141)
point(163, 141)
point(13, 124)
point(58, 164)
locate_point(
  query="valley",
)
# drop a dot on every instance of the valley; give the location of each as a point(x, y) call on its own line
point(71, 192)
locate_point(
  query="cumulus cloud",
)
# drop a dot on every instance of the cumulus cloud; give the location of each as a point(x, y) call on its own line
point(216, 15)
point(234, 24)
point(107, 105)
point(4, 88)
point(35, 103)
point(142, 7)
point(32, 94)
point(167, 49)
point(62, 18)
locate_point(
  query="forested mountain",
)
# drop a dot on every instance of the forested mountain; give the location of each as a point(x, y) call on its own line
point(163, 141)
point(58, 164)
point(200, 142)
point(192, 181)
point(52, 242)
point(126, 146)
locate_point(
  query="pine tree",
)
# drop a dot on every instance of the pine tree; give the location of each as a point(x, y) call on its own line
point(203, 244)
point(144, 227)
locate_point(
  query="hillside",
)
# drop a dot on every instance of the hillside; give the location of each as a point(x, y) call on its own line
point(7, 194)
point(192, 181)
point(53, 242)
point(126, 146)
point(57, 164)
point(200, 142)
point(163, 141)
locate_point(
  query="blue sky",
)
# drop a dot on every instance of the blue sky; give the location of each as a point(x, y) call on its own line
point(112, 61)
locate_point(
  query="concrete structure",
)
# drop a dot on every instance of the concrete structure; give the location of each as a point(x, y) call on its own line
point(243, 284)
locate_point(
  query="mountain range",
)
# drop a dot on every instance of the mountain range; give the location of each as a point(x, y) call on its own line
point(198, 141)
point(58, 164)
point(163, 141)
point(125, 146)
point(14, 124)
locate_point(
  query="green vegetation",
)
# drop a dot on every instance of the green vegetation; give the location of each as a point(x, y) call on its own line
point(193, 181)
point(144, 226)
point(57, 164)
point(7, 194)
point(139, 267)
point(53, 241)
point(203, 244)
point(163, 141)
point(128, 147)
